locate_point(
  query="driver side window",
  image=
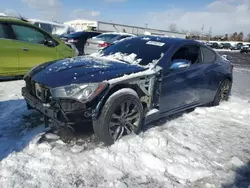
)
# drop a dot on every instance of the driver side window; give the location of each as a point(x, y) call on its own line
point(28, 34)
point(189, 52)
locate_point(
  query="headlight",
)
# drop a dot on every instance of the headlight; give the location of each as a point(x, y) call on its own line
point(80, 92)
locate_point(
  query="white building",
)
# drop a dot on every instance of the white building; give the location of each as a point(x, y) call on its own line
point(81, 25)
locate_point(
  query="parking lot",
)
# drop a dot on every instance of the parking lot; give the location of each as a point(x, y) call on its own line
point(209, 147)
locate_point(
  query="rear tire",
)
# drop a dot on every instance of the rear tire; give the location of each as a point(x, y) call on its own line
point(223, 92)
point(121, 115)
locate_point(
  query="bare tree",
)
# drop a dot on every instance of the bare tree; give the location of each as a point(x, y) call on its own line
point(184, 31)
point(248, 37)
point(235, 34)
point(240, 36)
point(173, 28)
point(226, 37)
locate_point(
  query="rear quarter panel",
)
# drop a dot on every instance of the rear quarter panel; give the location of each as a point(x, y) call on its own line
point(222, 69)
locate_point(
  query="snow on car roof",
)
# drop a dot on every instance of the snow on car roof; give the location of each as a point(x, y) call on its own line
point(48, 22)
point(119, 33)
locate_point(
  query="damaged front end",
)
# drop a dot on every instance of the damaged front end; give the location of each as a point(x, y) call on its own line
point(77, 103)
point(62, 106)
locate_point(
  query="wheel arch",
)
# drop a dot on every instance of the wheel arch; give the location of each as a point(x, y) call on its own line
point(114, 89)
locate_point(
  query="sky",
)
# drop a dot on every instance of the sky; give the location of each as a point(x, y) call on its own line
point(221, 16)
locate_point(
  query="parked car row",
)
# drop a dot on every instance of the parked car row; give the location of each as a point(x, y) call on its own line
point(91, 42)
point(239, 46)
point(79, 39)
point(245, 49)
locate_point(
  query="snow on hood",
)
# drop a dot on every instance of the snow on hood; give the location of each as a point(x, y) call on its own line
point(130, 58)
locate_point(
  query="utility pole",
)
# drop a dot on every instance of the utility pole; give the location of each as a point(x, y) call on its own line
point(202, 28)
point(146, 25)
point(210, 33)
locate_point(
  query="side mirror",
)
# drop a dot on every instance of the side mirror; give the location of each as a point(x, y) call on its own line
point(180, 64)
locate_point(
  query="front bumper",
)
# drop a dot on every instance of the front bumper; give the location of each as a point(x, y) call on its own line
point(38, 105)
point(56, 111)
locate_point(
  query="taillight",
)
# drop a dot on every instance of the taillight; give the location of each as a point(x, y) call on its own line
point(105, 44)
point(72, 40)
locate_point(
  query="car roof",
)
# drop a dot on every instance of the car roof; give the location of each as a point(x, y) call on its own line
point(118, 33)
point(13, 20)
point(169, 39)
point(20, 21)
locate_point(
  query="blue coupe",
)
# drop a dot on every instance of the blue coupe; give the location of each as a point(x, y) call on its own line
point(129, 84)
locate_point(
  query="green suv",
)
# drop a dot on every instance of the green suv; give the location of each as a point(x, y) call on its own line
point(23, 45)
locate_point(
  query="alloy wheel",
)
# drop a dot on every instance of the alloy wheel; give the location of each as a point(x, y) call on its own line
point(224, 91)
point(124, 119)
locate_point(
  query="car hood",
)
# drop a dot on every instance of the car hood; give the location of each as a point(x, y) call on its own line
point(82, 69)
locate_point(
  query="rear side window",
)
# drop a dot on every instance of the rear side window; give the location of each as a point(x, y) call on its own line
point(93, 34)
point(28, 34)
point(37, 24)
point(106, 37)
point(124, 36)
point(208, 55)
point(46, 27)
point(3, 33)
point(188, 52)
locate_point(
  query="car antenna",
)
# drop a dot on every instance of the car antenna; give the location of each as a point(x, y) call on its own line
point(22, 18)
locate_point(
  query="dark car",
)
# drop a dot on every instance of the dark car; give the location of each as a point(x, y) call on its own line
point(237, 46)
point(79, 39)
point(104, 40)
point(245, 49)
point(129, 84)
point(226, 46)
point(215, 45)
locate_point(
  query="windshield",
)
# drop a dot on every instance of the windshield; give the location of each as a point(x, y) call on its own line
point(140, 50)
point(106, 37)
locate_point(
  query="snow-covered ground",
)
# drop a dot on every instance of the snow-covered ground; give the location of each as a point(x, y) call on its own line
point(209, 147)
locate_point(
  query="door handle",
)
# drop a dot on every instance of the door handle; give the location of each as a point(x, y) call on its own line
point(25, 49)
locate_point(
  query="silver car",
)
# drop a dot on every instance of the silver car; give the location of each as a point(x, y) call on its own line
point(102, 41)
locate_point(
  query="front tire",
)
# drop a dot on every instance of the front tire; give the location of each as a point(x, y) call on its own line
point(223, 92)
point(121, 115)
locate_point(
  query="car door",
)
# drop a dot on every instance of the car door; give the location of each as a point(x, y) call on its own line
point(183, 88)
point(32, 50)
point(211, 62)
point(8, 52)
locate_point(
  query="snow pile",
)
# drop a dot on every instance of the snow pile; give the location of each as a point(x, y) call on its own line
point(203, 148)
point(183, 151)
point(130, 58)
